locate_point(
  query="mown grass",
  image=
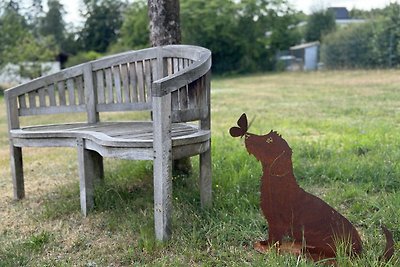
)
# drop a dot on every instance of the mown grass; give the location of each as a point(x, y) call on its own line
point(343, 129)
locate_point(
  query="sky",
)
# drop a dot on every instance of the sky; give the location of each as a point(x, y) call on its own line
point(307, 6)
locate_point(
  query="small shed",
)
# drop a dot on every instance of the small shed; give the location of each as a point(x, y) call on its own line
point(307, 53)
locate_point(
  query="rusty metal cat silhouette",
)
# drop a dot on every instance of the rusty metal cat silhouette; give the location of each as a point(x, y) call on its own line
point(298, 222)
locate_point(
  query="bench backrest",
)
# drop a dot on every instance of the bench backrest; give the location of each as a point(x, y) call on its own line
point(123, 82)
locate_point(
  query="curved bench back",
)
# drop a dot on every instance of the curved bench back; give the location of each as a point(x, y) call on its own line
point(122, 82)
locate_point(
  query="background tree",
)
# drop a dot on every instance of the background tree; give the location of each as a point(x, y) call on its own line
point(103, 21)
point(237, 32)
point(134, 33)
point(52, 24)
point(13, 28)
point(19, 45)
point(164, 19)
point(319, 24)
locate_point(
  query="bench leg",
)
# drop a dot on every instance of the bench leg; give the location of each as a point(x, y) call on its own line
point(98, 166)
point(162, 167)
point(17, 172)
point(89, 170)
point(205, 179)
point(162, 198)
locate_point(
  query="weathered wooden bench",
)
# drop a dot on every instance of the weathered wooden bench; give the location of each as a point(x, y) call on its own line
point(171, 82)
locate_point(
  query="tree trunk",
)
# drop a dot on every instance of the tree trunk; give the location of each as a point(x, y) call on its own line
point(164, 22)
point(165, 29)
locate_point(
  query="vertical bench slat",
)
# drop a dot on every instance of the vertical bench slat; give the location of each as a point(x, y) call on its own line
point(183, 98)
point(117, 83)
point(109, 85)
point(148, 78)
point(175, 100)
point(32, 99)
point(42, 97)
point(175, 65)
point(22, 101)
point(180, 64)
point(125, 83)
point(141, 81)
point(52, 95)
point(61, 92)
point(80, 90)
point(186, 62)
point(170, 66)
point(100, 86)
point(194, 94)
point(90, 94)
point(133, 82)
point(71, 92)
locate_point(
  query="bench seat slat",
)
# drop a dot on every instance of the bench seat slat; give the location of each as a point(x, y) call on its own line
point(137, 134)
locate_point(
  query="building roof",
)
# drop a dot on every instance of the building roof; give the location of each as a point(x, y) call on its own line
point(305, 45)
point(340, 12)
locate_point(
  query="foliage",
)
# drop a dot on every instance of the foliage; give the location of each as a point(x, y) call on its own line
point(235, 31)
point(52, 24)
point(83, 57)
point(374, 44)
point(348, 48)
point(134, 33)
point(319, 24)
point(18, 45)
point(103, 20)
point(13, 28)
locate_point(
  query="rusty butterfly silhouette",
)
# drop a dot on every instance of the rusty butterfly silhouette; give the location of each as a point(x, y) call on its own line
point(298, 222)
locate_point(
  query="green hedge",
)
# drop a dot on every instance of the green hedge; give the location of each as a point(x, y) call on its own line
point(373, 44)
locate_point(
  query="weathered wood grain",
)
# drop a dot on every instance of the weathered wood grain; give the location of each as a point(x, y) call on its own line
point(117, 83)
point(133, 82)
point(42, 97)
point(162, 166)
point(100, 87)
point(80, 90)
point(125, 83)
point(141, 81)
point(87, 171)
point(90, 94)
point(71, 92)
point(61, 93)
point(109, 85)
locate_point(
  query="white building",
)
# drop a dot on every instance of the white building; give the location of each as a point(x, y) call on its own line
point(10, 74)
point(307, 54)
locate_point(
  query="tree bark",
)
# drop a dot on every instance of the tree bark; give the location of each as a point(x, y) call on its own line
point(164, 22)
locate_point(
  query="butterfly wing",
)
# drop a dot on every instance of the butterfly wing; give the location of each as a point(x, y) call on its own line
point(236, 131)
point(242, 123)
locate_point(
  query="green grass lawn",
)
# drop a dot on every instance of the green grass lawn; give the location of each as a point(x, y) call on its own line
point(343, 128)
